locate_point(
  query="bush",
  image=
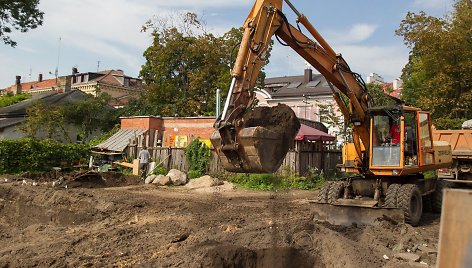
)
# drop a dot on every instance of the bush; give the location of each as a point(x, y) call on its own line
point(30, 155)
point(9, 99)
point(160, 170)
point(198, 157)
point(269, 182)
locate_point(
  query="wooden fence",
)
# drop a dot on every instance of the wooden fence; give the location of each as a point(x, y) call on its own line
point(298, 161)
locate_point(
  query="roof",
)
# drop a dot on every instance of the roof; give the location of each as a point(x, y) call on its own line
point(16, 113)
point(295, 86)
point(36, 84)
point(6, 122)
point(111, 77)
point(120, 140)
point(19, 109)
point(311, 134)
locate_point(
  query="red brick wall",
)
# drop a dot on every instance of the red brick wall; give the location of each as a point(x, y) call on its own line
point(199, 127)
point(153, 123)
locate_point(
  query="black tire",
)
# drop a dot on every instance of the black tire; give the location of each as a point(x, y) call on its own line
point(437, 195)
point(391, 196)
point(323, 193)
point(411, 201)
point(335, 191)
point(427, 203)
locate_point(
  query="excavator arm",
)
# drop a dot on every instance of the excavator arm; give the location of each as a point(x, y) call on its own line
point(261, 148)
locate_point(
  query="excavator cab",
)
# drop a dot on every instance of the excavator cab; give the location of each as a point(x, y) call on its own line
point(401, 143)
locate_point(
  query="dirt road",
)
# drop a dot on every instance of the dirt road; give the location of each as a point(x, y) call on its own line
point(132, 224)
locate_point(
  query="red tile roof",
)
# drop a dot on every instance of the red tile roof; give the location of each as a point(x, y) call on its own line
point(38, 85)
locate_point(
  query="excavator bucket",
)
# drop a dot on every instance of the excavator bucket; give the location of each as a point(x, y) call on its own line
point(347, 215)
point(262, 142)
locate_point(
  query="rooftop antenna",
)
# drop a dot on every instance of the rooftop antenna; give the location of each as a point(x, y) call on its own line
point(98, 65)
point(56, 72)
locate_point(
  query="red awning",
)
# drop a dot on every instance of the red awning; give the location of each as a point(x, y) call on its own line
point(312, 134)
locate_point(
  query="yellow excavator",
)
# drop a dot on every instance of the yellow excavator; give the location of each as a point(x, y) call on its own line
point(392, 146)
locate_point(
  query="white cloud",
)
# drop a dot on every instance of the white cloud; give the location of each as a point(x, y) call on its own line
point(356, 34)
point(387, 61)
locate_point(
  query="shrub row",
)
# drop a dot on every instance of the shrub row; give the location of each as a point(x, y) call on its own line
point(29, 155)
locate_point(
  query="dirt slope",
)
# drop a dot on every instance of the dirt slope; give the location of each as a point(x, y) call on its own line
point(142, 225)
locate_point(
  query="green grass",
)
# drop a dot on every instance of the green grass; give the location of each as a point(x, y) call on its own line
point(283, 181)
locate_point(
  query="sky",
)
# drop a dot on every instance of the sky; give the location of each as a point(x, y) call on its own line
point(101, 35)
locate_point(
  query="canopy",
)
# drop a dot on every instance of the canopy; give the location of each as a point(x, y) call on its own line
point(312, 134)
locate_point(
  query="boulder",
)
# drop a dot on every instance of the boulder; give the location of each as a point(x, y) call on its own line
point(177, 177)
point(149, 179)
point(162, 180)
point(205, 181)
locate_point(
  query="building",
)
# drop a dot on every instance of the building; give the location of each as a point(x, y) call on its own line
point(309, 95)
point(394, 88)
point(374, 78)
point(60, 84)
point(11, 117)
point(113, 82)
point(119, 86)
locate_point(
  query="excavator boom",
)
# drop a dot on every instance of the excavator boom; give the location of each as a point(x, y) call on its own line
point(256, 140)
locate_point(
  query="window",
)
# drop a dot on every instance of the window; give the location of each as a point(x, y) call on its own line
point(425, 139)
point(385, 141)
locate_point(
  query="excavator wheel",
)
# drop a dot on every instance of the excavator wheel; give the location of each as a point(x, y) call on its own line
point(411, 201)
point(427, 203)
point(323, 193)
point(437, 195)
point(335, 192)
point(391, 197)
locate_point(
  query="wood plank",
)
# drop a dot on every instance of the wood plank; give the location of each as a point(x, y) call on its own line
point(455, 236)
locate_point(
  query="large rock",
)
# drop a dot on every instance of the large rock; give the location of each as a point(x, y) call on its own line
point(149, 179)
point(177, 177)
point(205, 181)
point(162, 180)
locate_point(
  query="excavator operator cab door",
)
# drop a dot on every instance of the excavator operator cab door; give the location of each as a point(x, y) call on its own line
point(387, 136)
point(387, 139)
point(425, 140)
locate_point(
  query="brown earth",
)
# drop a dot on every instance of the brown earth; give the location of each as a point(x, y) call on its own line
point(118, 221)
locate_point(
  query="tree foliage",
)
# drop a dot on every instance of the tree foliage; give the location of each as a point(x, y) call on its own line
point(185, 64)
point(198, 157)
point(43, 118)
point(10, 99)
point(438, 76)
point(21, 15)
point(91, 114)
point(379, 95)
point(88, 115)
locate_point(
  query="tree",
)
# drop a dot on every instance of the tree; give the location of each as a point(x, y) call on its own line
point(379, 95)
point(438, 76)
point(21, 15)
point(184, 66)
point(90, 114)
point(45, 119)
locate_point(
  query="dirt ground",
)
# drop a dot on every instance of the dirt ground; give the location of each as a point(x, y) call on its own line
point(119, 221)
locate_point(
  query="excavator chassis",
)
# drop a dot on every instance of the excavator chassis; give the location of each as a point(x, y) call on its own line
point(362, 200)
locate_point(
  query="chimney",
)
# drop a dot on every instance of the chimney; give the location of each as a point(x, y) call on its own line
point(308, 75)
point(40, 78)
point(17, 88)
point(74, 72)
